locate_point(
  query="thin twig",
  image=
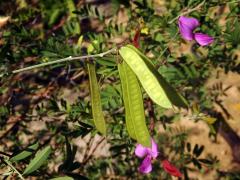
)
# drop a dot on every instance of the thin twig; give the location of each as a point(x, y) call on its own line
point(165, 49)
point(89, 145)
point(235, 1)
point(93, 151)
point(5, 154)
point(187, 12)
point(151, 115)
point(8, 131)
point(68, 59)
point(13, 168)
point(77, 75)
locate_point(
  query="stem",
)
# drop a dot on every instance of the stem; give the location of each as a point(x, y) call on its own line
point(8, 131)
point(5, 154)
point(196, 8)
point(13, 168)
point(235, 1)
point(68, 59)
point(187, 12)
point(93, 151)
point(151, 116)
point(89, 145)
point(164, 50)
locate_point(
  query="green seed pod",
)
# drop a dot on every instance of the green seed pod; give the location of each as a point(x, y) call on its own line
point(97, 112)
point(158, 89)
point(133, 103)
point(128, 119)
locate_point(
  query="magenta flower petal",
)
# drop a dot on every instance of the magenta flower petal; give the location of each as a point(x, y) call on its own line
point(141, 151)
point(186, 26)
point(203, 39)
point(154, 150)
point(146, 166)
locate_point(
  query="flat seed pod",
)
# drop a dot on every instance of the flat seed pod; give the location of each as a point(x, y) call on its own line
point(97, 112)
point(133, 103)
point(128, 119)
point(158, 89)
point(175, 98)
point(62, 178)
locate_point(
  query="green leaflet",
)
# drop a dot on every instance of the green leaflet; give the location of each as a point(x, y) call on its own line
point(158, 89)
point(25, 153)
point(133, 103)
point(97, 113)
point(71, 7)
point(40, 157)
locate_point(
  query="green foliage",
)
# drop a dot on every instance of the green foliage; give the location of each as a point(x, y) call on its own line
point(40, 158)
point(232, 34)
point(43, 31)
point(24, 154)
point(69, 164)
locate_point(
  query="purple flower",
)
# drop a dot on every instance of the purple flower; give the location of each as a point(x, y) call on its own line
point(187, 26)
point(148, 154)
point(152, 153)
point(203, 39)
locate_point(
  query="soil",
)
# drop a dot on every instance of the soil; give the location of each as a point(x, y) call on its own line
point(199, 131)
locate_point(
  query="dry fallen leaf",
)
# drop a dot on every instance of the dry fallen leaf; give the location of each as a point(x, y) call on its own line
point(3, 21)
